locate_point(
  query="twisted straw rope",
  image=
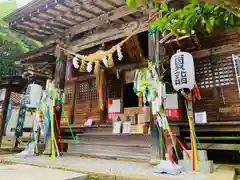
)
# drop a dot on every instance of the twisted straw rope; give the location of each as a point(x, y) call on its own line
point(110, 51)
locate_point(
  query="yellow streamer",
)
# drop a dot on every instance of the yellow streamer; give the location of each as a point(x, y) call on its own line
point(53, 155)
point(193, 138)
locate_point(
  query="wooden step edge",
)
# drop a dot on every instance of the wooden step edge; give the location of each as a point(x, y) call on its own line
point(107, 157)
point(110, 134)
point(103, 144)
point(75, 126)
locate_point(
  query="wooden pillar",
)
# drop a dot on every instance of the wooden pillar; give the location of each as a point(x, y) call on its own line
point(71, 114)
point(4, 114)
point(59, 83)
point(156, 148)
point(59, 79)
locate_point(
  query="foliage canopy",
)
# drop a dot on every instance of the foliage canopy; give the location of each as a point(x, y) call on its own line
point(12, 44)
point(195, 16)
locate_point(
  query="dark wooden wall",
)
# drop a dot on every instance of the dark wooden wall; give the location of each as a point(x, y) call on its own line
point(218, 88)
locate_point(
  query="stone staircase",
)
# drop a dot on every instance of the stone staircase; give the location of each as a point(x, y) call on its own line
point(100, 142)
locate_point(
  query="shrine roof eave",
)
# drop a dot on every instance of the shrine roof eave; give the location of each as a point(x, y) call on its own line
point(46, 19)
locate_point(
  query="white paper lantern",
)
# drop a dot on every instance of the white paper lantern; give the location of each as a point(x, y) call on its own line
point(182, 71)
point(35, 94)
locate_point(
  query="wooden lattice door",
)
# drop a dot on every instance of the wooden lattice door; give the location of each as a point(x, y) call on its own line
point(86, 102)
point(68, 98)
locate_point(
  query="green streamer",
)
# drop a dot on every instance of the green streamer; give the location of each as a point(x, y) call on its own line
point(152, 31)
point(238, 64)
point(161, 139)
point(58, 60)
point(69, 125)
point(197, 140)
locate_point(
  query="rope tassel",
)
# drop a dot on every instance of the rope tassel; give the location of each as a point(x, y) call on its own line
point(110, 60)
point(97, 67)
point(82, 67)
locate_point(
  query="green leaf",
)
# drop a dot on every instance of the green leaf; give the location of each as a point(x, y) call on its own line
point(132, 3)
point(231, 20)
point(164, 6)
point(212, 21)
point(172, 10)
point(210, 24)
point(194, 1)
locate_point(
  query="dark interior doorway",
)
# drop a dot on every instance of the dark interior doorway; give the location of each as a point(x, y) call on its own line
point(130, 98)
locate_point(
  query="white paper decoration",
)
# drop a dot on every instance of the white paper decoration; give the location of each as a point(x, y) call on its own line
point(104, 60)
point(119, 53)
point(75, 62)
point(89, 67)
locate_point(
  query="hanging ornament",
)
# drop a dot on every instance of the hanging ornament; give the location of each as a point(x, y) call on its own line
point(105, 61)
point(69, 64)
point(58, 105)
point(57, 60)
point(117, 73)
point(82, 67)
point(40, 116)
point(89, 67)
point(119, 53)
point(97, 67)
point(110, 60)
point(75, 63)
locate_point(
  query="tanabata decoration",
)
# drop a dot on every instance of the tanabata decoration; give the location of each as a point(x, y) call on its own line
point(69, 64)
point(183, 78)
point(50, 104)
point(146, 78)
point(149, 83)
point(58, 105)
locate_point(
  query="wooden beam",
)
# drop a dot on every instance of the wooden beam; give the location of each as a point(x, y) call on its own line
point(31, 26)
point(108, 35)
point(80, 7)
point(229, 48)
point(98, 21)
point(30, 29)
point(112, 3)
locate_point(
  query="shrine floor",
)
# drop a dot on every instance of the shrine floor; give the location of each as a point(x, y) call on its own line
point(100, 169)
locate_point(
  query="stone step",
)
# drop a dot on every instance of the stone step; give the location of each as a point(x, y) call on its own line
point(25, 172)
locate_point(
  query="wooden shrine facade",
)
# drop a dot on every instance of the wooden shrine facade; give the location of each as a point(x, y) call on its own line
point(214, 70)
point(86, 26)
